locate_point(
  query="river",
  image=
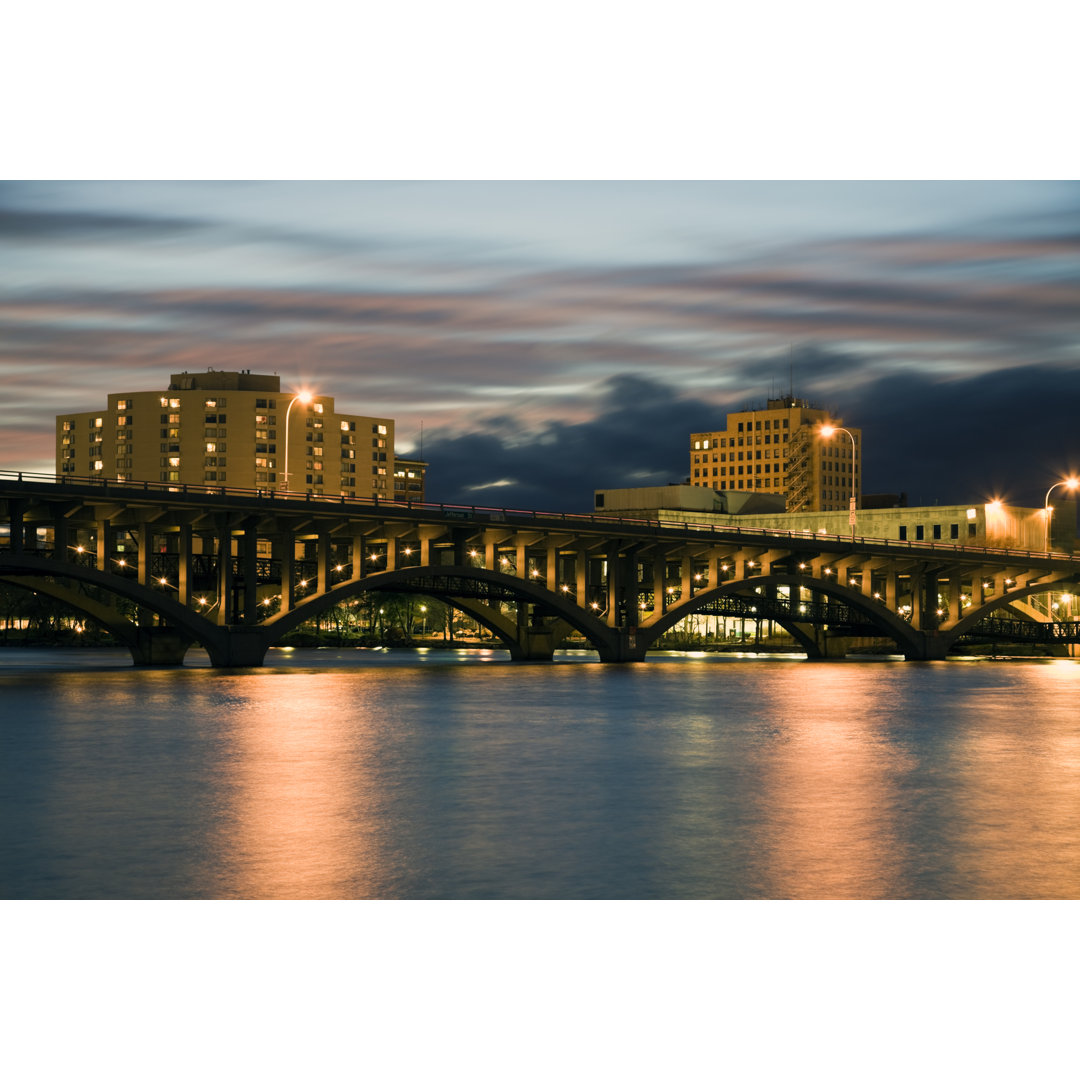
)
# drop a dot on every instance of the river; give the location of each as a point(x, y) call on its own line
point(457, 774)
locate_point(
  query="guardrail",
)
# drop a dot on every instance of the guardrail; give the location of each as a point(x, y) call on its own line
point(492, 514)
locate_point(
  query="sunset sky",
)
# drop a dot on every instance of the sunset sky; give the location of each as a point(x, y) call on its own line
point(553, 338)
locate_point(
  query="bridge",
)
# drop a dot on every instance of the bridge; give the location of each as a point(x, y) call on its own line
point(165, 567)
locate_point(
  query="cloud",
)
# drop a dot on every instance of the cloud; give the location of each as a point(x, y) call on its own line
point(638, 437)
point(939, 441)
point(71, 226)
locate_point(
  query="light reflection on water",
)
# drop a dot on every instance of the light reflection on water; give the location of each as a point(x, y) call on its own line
point(378, 774)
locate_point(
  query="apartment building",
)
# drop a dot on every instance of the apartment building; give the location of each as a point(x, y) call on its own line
point(783, 449)
point(232, 428)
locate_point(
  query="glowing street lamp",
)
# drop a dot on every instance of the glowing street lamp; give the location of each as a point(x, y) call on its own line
point(304, 397)
point(827, 431)
point(1070, 483)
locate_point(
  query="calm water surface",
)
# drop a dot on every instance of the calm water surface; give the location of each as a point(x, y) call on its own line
point(365, 774)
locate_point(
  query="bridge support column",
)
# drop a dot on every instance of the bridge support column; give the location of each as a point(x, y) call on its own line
point(183, 588)
point(102, 545)
point(659, 578)
point(286, 545)
point(60, 537)
point(614, 584)
point(928, 647)
point(533, 643)
point(158, 646)
point(144, 537)
point(956, 604)
point(626, 647)
point(17, 532)
point(238, 646)
point(358, 556)
point(322, 561)
point(250, 564)
point(226, 612)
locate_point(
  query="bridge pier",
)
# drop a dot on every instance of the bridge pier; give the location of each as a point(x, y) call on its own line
point(626, 647)
point(533, 643)
point(927, 647)
point(237, 647)
point(158, 646)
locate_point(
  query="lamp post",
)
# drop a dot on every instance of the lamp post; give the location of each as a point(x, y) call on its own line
point(304, 397)
point(827, 431)
point(1071, 483)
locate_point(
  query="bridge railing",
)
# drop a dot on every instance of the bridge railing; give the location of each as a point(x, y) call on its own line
point(506, 515)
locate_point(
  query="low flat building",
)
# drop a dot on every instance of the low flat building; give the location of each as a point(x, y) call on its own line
point(992, 525)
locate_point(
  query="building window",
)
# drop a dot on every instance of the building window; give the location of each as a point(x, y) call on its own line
point(919, 532)
point(903, 532)
point(937, 532)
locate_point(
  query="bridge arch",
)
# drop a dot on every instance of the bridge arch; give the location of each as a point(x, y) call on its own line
point(523, 641)
point(973, 617)
point(909, 641)
point(149, 645)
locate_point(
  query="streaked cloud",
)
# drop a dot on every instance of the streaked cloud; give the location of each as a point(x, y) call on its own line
point(477, 310)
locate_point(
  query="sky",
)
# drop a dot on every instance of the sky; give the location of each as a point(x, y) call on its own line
point(551, 338)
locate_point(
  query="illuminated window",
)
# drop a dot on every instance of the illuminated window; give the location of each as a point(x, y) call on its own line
point(99, 465)
point(317, 406)
point(211, 447)
point(123, 403)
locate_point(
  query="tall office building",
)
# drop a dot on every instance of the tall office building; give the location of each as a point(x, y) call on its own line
point(779, 450)
point(232, 428)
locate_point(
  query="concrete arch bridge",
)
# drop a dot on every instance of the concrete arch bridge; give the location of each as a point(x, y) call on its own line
point(163, 568)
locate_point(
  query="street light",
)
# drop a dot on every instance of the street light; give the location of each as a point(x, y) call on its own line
point(304, 397)
point(1071, 483)
point(827, 431)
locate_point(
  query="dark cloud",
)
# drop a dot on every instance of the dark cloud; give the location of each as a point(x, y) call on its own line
point(639, 438)
point(1009, 434)
point(69, 226)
